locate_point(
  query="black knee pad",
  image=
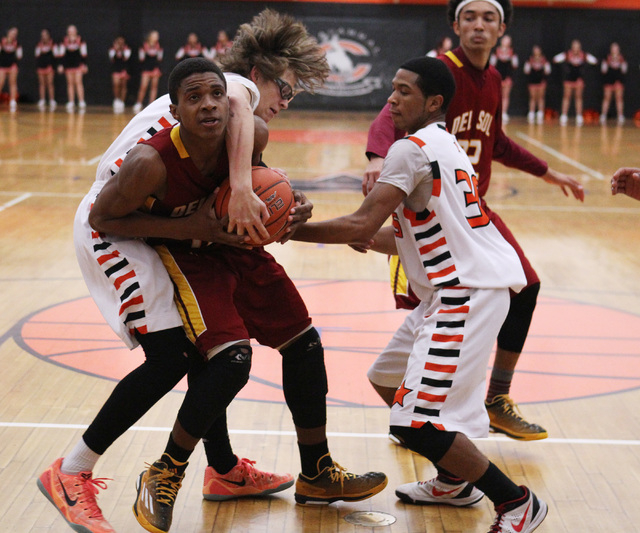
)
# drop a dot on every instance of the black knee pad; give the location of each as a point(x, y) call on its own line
point(513, 333)
point(213, 386)
point(426, 440)
point(304, 380)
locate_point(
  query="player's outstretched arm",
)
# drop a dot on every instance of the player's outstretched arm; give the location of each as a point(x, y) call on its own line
point(383, 242)
point(565, 182)
point(246, 211)
point(626, 180)
point(300, 213)
point(358, 227)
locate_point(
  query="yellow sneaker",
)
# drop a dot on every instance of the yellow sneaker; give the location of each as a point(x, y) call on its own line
point(334, 483)
point(505, 417)
point(157, 490)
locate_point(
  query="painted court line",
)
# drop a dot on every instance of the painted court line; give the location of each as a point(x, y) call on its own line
point(598, 442)
point(51, 162)
point(15, 201)
point(561, 156)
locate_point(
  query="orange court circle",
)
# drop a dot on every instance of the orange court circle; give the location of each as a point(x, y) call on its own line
point(574, 350)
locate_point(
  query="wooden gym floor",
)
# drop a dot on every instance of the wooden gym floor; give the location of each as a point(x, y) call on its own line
point(579, 375)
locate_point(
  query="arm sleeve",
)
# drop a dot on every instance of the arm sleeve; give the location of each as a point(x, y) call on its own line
point(512, 155)
point(382, 134)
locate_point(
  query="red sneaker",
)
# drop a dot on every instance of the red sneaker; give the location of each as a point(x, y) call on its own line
point(74, 495)
point(244, 479)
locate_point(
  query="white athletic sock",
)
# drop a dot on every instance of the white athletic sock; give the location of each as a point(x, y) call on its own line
point(80, 459)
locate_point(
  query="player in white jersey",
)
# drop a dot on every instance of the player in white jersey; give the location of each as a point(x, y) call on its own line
point(279, 56)
point(462, 269)
point(136, 295)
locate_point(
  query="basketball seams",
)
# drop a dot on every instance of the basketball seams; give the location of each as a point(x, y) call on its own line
point(279, 190)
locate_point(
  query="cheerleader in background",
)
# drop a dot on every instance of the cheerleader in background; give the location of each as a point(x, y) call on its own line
point(46, 52)
point(575, 58)
point(442, 47)
point(73, 57)
point(10, 54)
point(119, 55)
point(192, 48)
point(537, 69)
point(614, 70)
point(506, 61)
point(150, 55)
point(222, 45)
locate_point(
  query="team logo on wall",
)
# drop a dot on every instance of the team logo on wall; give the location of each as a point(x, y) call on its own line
point(350, 55)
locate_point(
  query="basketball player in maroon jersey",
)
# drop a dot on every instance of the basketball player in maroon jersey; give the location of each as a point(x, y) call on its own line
point(277, 53)
point(475, 117)
point(230, 287)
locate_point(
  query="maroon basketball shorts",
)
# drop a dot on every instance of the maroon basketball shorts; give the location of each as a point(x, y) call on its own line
point(226, 294)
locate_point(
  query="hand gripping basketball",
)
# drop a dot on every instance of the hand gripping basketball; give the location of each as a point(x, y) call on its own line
point(274, 189)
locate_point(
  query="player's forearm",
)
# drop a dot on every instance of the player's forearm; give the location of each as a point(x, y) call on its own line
point(142, 225)
point(343, 230)
point(240, 144)
point(384, 241)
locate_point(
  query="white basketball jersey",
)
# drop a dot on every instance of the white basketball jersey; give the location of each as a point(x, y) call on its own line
point(451, 242)
point(148, 122)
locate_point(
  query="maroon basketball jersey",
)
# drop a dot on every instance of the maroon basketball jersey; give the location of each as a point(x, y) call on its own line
point(187, 187)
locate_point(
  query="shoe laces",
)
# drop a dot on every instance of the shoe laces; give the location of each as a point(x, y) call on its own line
point(339, 473)
point(497, 525)
point(89, 488)
point(511, 408)
point(247, 469)
point(167, 484)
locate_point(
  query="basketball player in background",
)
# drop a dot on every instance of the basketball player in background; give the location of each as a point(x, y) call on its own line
point(462, 269)
point(475, 118)
point(626, 181)
point(155, 322)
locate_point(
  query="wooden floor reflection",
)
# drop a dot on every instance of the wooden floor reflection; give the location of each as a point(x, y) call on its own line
point(579, 375)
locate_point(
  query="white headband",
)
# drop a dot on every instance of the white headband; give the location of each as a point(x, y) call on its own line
point(492, 2)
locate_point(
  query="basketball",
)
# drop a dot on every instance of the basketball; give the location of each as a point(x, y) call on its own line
point(274, 190)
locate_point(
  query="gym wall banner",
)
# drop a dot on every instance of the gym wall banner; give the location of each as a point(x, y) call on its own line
point(362, 59)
